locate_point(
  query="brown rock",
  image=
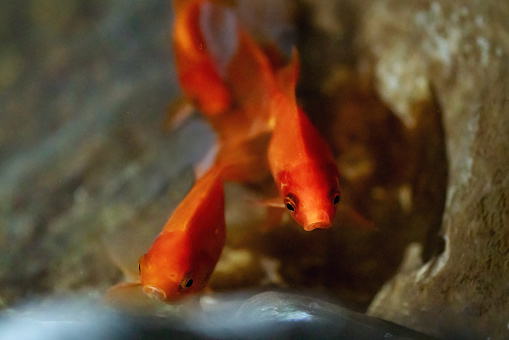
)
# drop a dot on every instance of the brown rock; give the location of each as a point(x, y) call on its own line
point(460, 49)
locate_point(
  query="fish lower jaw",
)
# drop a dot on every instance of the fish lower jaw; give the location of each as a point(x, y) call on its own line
point(154, 293)
point(317, 225)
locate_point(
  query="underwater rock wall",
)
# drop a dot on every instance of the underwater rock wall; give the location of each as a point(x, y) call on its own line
point(82, 152)
point(459, 50)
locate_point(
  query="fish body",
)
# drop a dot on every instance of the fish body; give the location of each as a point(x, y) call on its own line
point(300, 159)
point(184, 255)
point(230, 79)
point(255, 98)
point(222, 70)
point(197, 72)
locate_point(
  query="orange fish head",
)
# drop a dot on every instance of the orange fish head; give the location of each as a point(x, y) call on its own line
point(167, 272)
point(311, 194)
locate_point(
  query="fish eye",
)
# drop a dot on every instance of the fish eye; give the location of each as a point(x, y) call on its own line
point(139, 264)
point(186, 282)
point(290, 204)
point(336, 199)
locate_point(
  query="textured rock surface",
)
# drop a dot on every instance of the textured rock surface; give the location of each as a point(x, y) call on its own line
point(460, 49)
point(82, 152)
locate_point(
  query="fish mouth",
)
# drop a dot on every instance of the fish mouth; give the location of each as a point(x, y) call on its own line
point(317, 225)
point(154, 293)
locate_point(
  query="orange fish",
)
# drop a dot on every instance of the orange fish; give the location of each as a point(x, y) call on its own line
point(221, 69)
point(184, 255)
point(197, 69)
point(230, 79)
point(300, 159)
point(255, 97)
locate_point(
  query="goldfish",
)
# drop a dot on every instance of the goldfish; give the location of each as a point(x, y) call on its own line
point(230, 79)
point(300, 159)
point(184, 255)
point(197, 66)
point(247, 93)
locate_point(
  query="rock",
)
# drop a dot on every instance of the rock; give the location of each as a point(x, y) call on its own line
point(460, 50)
point(265, 315)
point(289, 316)
point(91, 157)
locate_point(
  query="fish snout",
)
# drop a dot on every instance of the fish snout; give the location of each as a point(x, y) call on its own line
point(318, 225)
point(154, 293)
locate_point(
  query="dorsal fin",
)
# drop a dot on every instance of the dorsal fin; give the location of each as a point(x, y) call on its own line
point(208, 188)
point(288, 75)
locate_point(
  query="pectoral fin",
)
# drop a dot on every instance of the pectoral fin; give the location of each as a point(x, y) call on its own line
point(356, 219)
point(274, 202)
point(128, 296)
point(274, 218)
point(180, 109)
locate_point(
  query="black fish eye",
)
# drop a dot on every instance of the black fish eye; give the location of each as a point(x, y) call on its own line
point(139, 264)
point(290, 202)
point(186, 282)
point(336, 199)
